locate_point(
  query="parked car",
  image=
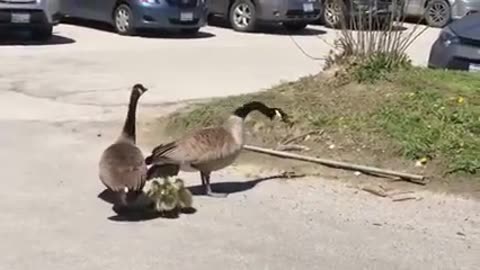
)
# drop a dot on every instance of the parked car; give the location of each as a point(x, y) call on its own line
point(336, 10)
point(438, 13)
point(458, 45)
point(127, 16)
point(38, 16)
point(245, 15)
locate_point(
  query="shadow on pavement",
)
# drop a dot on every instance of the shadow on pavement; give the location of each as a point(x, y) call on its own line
point(145, 33)
point(269, 29)
point(11, 38)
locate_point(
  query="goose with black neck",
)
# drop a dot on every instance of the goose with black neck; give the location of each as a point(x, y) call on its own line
point(122, 167)
point(209, 149)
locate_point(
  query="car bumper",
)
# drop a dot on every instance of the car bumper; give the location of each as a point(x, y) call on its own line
point(45, 12)
point(169, 17)
point(289, 11)
point(465, 7)
point(37, 18)
point(455, 56)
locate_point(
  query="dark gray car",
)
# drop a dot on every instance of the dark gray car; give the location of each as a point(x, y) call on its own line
point(245, 15)
point(129, 15)
point(458, 45)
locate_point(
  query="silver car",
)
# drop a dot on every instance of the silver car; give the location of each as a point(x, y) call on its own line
point(438, 13)
point(39, 16)
point(458, 45)
point(245, 15)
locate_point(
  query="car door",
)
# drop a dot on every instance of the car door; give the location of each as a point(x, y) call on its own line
point(96, 9)
point(218, 7)
point(104, 9)
point(414, 7)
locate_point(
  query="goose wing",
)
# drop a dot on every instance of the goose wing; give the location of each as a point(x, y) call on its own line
point(202, 146)
point(122, 165)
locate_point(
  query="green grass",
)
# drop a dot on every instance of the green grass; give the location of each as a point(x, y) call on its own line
point(411, 114)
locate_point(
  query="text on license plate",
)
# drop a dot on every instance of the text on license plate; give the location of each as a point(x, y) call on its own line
point(20, 18)
point(308, 7)
point(474, 67)
point(186, 16)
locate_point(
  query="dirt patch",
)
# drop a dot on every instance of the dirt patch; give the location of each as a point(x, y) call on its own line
point(352, 123)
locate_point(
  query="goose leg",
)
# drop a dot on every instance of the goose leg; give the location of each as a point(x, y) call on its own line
point(208, 189)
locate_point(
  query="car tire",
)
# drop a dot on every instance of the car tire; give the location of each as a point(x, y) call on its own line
point(294, 26)
point(331, 14)
point(190, 31)
point(123, 20)
point(438, 13)
point(242, 16)
point(43, 33)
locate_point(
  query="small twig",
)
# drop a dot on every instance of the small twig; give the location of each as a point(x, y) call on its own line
point(401, 199)
point(301, 136)
point(374, 191)
point(417, 179)
point(292, 147)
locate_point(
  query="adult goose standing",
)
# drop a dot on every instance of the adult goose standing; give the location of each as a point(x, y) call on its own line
point(122, 167)
point(208, 149)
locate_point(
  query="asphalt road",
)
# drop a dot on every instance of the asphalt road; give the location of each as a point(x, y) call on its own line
point(62, 103)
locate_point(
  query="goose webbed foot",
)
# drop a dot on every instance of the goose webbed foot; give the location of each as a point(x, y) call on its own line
point(216, 194)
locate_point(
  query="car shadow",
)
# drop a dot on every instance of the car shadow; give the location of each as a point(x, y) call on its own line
point(144, 33)
point(268, 29)
point(24, 38)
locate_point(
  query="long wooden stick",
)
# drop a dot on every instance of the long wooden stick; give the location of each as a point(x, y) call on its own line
point(418, 179)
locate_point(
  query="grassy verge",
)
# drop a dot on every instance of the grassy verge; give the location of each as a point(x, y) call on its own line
point(409, 115)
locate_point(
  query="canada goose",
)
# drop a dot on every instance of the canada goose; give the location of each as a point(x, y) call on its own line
point(212, 148)
point(122, 168)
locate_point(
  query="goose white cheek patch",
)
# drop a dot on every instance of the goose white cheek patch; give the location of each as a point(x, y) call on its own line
point(278, 114)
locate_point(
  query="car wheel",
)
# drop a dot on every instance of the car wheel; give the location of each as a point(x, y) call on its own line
point(331, 14)
point(294, 26)
point(242, 16)
point(437, 13)
point(190, 31)
point(43, 33)
point(123, 20)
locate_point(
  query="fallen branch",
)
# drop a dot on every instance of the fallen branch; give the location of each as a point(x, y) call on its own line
point(417, 179)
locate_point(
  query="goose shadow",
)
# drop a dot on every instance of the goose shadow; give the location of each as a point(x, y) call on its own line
point(235, 187)
point(144, 213)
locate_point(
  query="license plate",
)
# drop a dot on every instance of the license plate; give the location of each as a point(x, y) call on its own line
point(308, 7)
point(20, 18)
point(186, 16)
point(474, 67)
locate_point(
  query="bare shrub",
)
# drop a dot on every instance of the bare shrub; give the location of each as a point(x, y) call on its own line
point(368, 45)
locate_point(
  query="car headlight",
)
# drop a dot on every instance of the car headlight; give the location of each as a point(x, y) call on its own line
point(448, 37)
